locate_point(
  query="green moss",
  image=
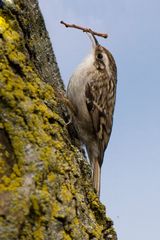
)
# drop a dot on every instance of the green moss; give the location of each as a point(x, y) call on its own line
point(10, 35)
point(51, 177)
point(2, 165)
point(16, 170)
point(56, 208)
point(65, 195)
point(6, 154)
point(38, 234)
point(35, 204)
point(9, 184)
point(66, 236)
point(18, 146)
point(97, 232)
point(78, 229)
point(6, 180)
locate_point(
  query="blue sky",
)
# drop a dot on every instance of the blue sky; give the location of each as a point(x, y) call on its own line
point(131, 168)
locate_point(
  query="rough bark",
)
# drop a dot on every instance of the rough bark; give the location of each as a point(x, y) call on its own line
point(45, 183)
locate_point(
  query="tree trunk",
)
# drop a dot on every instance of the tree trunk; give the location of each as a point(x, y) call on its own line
point(46, 190)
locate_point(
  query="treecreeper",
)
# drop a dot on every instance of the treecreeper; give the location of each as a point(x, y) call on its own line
point(91, 95)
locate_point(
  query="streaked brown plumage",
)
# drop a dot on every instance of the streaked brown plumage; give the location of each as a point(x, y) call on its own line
point(92, 91)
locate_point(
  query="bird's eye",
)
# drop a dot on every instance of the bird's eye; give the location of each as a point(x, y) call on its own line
point(99, 56)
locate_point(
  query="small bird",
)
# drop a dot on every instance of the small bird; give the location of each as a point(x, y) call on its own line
point(92, 92)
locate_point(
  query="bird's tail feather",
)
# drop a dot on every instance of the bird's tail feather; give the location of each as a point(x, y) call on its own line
point(96, 176)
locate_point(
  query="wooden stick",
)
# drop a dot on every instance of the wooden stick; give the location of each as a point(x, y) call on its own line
point(104, 35)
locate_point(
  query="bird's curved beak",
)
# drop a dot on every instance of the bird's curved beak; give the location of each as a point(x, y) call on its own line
point(96, 43)
point(93, 40)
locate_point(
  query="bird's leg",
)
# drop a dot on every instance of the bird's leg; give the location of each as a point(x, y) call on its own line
point(69, 121)
point(61, 96)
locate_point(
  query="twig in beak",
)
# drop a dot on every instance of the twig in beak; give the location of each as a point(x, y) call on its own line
point(89, 30)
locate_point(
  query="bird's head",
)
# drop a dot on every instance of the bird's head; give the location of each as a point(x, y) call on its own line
point(102, 57)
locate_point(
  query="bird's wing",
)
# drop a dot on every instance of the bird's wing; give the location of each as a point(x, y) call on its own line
point(100, 101)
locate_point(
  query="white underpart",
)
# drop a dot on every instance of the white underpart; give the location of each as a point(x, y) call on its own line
point(88, 61)
point(79, 75)
point(77, 85)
